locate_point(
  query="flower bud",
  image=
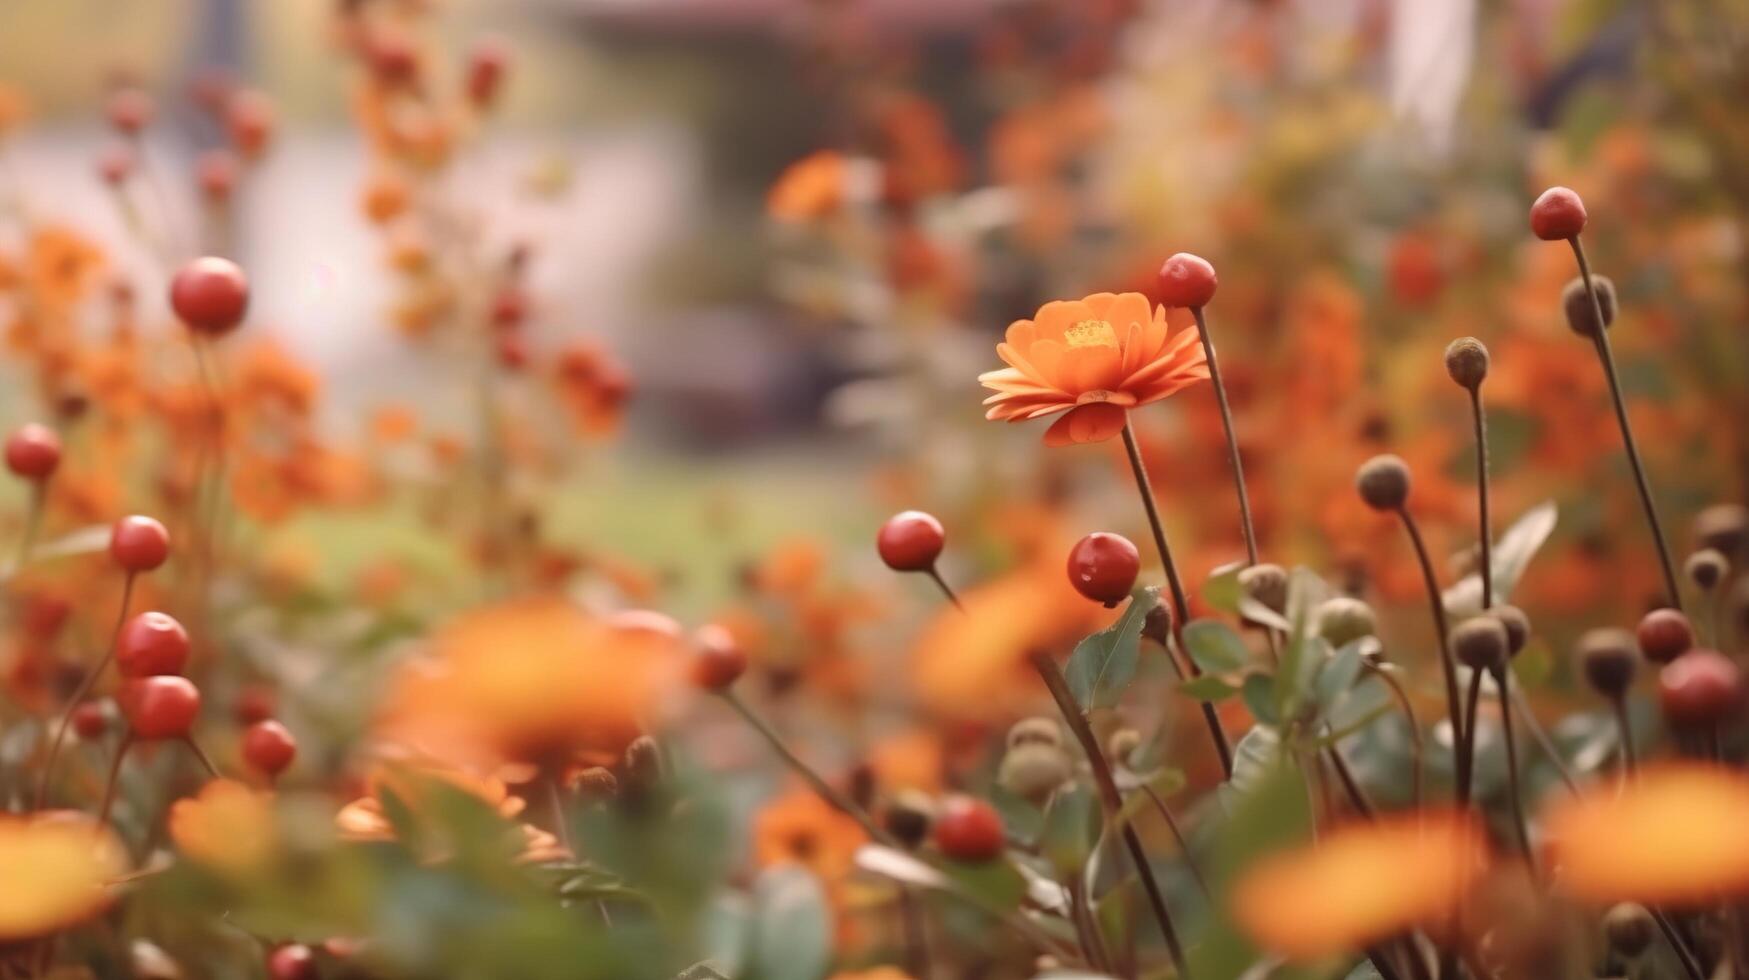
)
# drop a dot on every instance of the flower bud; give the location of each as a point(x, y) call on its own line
point(1664, 635)
point(1608, 660)
point(1034, 731)
point(1033, 771)
point(1122, 744)
point(1342, 620)
point(1157, 625)
point(1466, 360)
point(1706, 568)
point(1581, 318)
point(1267, 585)
point(643, 763)
point(1630, 929)
point(1557, 214)
point(1383, 482)
point(1480, 643)
point(908, 817)
point(1517, 626)
point(595, 783)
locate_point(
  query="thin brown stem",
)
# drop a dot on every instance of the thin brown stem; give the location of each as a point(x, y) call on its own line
point(1690, 965)
point(33, 520)
point(826, 790)
point(1208, 350)
point(205, 760)
point(1112, 799)
point(1625, 732)
point(121, 751)
point(1356, 794)
point(1178, 835)
point(1447, 662)
point(1515, 792)
point(85, 685)
point(1180, 604)
point(914, 926)
point(946, 590)
point(1601, 339)
point(1485, 536)
point(1541, 738)
point(1466, 757)
point(1415, 747)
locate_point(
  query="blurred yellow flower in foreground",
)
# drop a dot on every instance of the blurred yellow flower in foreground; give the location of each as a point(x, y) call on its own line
point(227, 824)
point(531, 680)
point(54, 873)
point(364, 820)
point(1360, 884)
point(1679, 833)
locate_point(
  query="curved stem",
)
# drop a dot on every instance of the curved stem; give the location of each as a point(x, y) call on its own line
point(1415, 747)
point(1439, 627)
point(1541, 738)
point(1690, 965)
point(1356, 794)
point(1466, 758)
point(1601, 340)
point(205, 760)
point(1503, 677)
point(85, 685)
point(1180, 604)
point(1625, 731)
point(826, 790)
point(946, 590)
point(1208, 350)
point(1112, 800)
point(1485, 533)
point(1178, 835)
point(121, 751)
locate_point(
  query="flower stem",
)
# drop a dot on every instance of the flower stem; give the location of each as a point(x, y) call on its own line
point(1112, 800)
point(1350, 786)
point(1625, 730)
point(1466, 748)
point(1690, 965)
point(1601, 338)
point(1208, 350)
point(1439, 627)
point(32, 525)
point(1180, 604)
point(1486, 534)
point(85, 685)
point(199, 753)
point(946, 590)
point(1503, 677)
point(826, 790)
point(121, 751)
point(1541, 738)
point(1183, 841)
point(1415, 747)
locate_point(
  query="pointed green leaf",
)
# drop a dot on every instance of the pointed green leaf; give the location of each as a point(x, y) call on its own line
point(1208, 687)
point(1259, 693)
point(1215, 647)
point(1103, 664)
point(1511, 555)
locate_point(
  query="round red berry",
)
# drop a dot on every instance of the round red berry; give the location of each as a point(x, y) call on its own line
point(130, 110)
point(216, 173)
point(1664, 635)
point(115, 165)
point(268, 748)
point(293, 961)
point(910, 541)
point(249, 117)
point(254, 703)
point(151, 644)
point(1557, 215)
point(969, 829)
point(90, 720)
point(139, 543)
point(509, 308)
point(1187, 280)
point(210, 295)
point(159, 707)
point(33, 451)
point(1103, 567)
point(719, 660)
point(486, 66)
point(1699, 689)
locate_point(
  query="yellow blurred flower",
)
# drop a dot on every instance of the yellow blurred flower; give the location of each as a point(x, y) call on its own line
point(227, 824)
point(54, 873)
point(1674, 835)
point(363, 819)
point(1359, 884)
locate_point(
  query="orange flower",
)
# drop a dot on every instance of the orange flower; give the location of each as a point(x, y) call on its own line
point(363, 819)
point(812, 187)
point(1095, 359)
point(800, 828)
point(54, 872)
point(1352, 888)
point(226, 825)
point(1673, 836)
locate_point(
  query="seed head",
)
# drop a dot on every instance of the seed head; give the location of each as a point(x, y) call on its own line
point(908, 816)
point(1630, 929)
point(1383, 482)
point(1466, 360)
point(1342, 620)
point(1480, 643)
point(1517, 627)
point(1034, 731)
point(1706, 568)
point(1608, 660)
point(1122, 744)
point(1267, 584)
point(1033, 771)
point(1581, 319)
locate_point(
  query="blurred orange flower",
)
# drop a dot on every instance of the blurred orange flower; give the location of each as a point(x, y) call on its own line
point(810, 188)
point(227, 825)
point(54, 872)
point(363, 819)
point(1095, 359)
point(1673, 835)
point(1360, 884)
point(801, 828)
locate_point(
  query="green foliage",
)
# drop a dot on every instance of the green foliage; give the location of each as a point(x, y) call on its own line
point(1104, 664)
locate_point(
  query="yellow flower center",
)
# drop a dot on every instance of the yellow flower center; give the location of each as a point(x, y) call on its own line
point(1090, 333)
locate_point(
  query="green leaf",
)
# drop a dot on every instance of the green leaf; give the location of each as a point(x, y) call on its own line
point(1336, 677)
point(1221, 589)
point(1208, 687)
point(1164, 783)
point(792, 925)
point(1512, 554)
point(1071, 827)
point(1255, 756)
point(1104, 663)
point(1259, 693)
point(1215, 646)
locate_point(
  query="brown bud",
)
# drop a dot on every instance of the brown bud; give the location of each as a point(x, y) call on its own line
point(1342, 620)
point(1608, 660)
point(1267, 584)
point(1517, 627)
point(1039, 730)
point(1157, 625)
point(1706, 568)
point(1723, 527)
point(1630, 929)
point(1480, 643)
point(1033, 771)
point(1466, 360)
point(1383, 482)
point(595, 783)
point(908, 817)
point(1581, 318)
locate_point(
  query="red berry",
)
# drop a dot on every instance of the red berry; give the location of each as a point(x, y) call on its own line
point(115, 165)
point(33, 451)
point(139, 543)
point(1103, 567)
point(1699, 689)
point(159, 707)
point(130, 110)
point(1664, 635)
point(1187, 280)
point(249, 117)
point(512, 352)
point(1557, 215)
point(393, 58)
point(90, 720)
point(151, 644)
point(216, 173)
point(509, 308)
point(254, 703)
point(210, 295)
point(268, 747)
point(969, 829)
point(910, 541)
point(293, 961)
point(719, 660)
point(486, 66)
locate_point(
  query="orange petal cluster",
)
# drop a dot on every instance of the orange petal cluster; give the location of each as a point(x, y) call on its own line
point(227, 825)
point(1094, 359)
point(55, 871)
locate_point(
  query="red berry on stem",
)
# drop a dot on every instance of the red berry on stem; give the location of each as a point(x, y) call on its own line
point(249, 117)
point(159, 707)
point(210, 295)
point(90, 720)
point(910, 541)
point(1700, 689)
point(486, 66)
point(33, 451)
point(254, 703)
point(293, 961)
point(1103, 567)
point(719, 661)
point(138, 543)
point(1557, 215)
point(268, 747)
point(1664, 635)
point(216, 173)
point(115, 165)
point(130, 110)
point(151, 644)
point(969, 829)
point(1187, 280)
